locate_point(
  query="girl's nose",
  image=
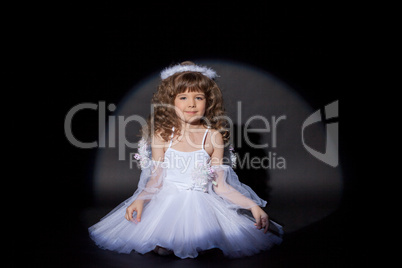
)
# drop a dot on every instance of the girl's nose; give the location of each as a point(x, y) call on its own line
point(191, 103)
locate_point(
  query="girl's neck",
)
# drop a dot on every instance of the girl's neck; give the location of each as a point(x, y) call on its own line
point(188, 126)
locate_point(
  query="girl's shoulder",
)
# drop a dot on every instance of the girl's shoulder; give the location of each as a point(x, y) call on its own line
point(216, 137)
point(158, 140)
point(213, 131)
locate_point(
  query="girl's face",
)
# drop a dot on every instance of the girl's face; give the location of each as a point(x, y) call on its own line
point(190, 106)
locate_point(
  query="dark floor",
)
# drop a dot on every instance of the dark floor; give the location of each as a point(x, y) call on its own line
point(332, 242)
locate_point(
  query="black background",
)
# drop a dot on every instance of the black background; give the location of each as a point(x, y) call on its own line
point(98, 52)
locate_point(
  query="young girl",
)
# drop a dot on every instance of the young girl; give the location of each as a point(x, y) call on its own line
point(187, 201)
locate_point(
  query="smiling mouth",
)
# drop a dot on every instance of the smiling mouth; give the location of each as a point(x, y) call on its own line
point(191, 112)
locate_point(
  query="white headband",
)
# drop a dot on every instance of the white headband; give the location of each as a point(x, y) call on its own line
point(208, 72)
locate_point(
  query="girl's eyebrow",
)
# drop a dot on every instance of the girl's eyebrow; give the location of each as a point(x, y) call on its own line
point(200, 93)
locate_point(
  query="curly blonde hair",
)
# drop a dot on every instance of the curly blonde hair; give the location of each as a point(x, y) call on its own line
point(164, 117)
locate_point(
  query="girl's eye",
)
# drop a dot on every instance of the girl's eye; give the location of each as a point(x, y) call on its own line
point(200, 98)
point(182, 98)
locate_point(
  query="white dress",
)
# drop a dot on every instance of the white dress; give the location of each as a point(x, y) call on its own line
point(192, 207)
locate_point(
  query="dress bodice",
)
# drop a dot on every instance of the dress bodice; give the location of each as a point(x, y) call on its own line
point(187, 170)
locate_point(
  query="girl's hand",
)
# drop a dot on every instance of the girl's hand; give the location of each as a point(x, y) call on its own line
point(137, 206)
point(262, 220)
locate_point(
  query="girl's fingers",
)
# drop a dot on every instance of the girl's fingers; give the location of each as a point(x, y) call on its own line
point(258, 223)
point(266, 227)
point(139, 212)
point(265, 224)
point(129, 214)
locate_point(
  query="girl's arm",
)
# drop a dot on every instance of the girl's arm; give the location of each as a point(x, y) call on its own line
point(228, 192)
point(154, 182)
point(158, 151)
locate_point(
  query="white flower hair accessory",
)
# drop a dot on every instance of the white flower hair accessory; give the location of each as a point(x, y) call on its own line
point(169, 71)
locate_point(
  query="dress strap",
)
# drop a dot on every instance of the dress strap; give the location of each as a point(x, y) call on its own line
point(171, 137)
point(203, 139)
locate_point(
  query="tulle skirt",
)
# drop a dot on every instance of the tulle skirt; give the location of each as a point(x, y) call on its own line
point(184, 221)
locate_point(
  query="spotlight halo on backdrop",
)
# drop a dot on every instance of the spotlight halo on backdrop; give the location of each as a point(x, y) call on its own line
point(306, 191)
